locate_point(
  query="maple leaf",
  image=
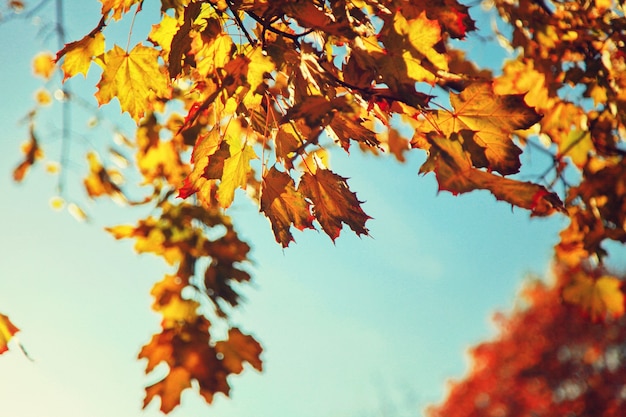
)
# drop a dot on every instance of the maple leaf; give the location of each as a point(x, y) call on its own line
point(169, 389)
point(77, 56)
point(236, 169)
point(333, 202)
point(239, 348)
point(455, 173)
point(422, 34)
point(162, 33)
point(119, 7)
point(599, 297)
point(220, 157)
point(159, 349)
point(7, 330)
point(492, 118)
point(284, 206)
point(133, 77)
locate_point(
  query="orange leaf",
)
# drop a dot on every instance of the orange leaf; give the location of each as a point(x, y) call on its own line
point(169, 389)
point(284, 206)
point(133, 77)
point(32, 152)
point(333, 202)
point(492, 118)
point(454, 171)
point(7, 330)
point(600, 297)
point(239, 348)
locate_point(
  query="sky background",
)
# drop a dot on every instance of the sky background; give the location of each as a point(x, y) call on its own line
point(365, 327)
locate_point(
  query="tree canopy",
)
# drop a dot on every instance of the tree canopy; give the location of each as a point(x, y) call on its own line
point(234, 95)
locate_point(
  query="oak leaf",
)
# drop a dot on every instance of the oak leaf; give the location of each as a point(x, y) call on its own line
point(133, 77)
point(284, 206)
point(333, 202)
point(7, 330)
point(599, 297)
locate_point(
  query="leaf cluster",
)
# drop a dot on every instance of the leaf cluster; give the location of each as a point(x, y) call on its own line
point(250, 95)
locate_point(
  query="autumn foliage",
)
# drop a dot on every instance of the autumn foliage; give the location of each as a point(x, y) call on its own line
point(548, 360)
point(267, 89)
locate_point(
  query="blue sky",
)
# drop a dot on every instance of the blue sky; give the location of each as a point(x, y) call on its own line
point(365, 327)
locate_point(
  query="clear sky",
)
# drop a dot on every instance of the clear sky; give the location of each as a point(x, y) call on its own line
point(365, 327)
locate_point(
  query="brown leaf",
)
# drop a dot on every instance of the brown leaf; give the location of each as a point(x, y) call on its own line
point(239, 348)
point(455, 173)
point(333, 202)
point(492, 118)
point(284, 206)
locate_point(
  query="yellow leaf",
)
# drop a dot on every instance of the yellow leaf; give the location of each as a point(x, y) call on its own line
point(119, 7)
point(163, 33)
point(599, 297)
point(236, 169)
point(7, 330)
point(162, 160)
point(577, 144)
point(423, 34)
point(133, 77)
point(43, 97)
point(43, 65)
point(78, 55)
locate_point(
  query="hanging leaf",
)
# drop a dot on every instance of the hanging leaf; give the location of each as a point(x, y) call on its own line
point(77, 56)
point(600, 298)
point(333, 202)
point(284, 206)
point(133, 78)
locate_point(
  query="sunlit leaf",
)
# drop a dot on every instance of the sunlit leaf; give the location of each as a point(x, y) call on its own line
point(78, 55)
point(44, 65)
point(599, 297)
point(284, 206)
point(333, 202)
point(132, 78)
point(7, 330)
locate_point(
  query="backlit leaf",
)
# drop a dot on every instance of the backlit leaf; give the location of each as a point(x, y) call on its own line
point(132, 78)
point(284, 206)
point(493, 119)
point(119, 7)
point(454, 171)
point(236, 169)
point(169, 389)
point(77, 56)
point(599, 297)
point(239, 348)
point(44, 65)
point(7, 330)
point(333, 202)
